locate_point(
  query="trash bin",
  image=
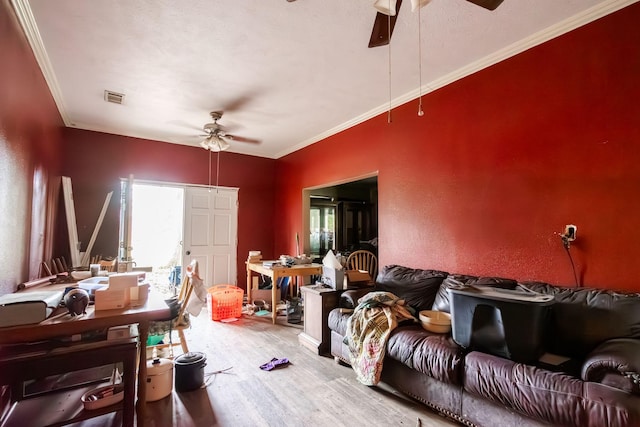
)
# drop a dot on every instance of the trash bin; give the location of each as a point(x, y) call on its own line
point(294, 310)
point(505, 323)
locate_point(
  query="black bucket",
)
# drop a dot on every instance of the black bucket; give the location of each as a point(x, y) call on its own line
point(190, 371)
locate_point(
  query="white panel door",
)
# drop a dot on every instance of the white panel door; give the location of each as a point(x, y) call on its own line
point(210, 233)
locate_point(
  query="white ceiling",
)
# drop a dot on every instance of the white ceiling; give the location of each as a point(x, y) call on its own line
point(286, 73)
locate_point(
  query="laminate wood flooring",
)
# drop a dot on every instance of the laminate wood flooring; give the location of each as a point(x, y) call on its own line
point(311, 391)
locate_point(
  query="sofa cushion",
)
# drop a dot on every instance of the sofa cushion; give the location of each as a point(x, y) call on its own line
point(452, 281)
point(337, 320)
point(496, 282)
point(583, 318)
point(556, 398)
point(417, 287)
point(435, 355)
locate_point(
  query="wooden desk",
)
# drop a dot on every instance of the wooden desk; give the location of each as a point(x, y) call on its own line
point(61, 324)
point(275, 274)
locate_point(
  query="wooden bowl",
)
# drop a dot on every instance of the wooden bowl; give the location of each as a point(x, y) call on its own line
point(435, 321)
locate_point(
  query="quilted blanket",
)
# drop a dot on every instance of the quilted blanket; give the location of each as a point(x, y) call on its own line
point(368, 330)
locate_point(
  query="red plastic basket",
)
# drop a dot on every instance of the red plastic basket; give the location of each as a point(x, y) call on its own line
point(225, 302)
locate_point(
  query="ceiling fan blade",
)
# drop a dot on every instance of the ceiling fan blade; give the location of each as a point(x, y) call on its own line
point(487, 4)
point(242, 139)
point(383, 27)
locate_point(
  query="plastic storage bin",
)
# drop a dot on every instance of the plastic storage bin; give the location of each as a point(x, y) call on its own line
point(505, 323)
point(225, 302)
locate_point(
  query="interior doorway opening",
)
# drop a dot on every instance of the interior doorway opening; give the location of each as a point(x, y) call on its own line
point(341, 216)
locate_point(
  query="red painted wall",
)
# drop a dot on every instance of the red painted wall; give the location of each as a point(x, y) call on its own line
point(500, 162)
point(95, 162)
point(29, 123)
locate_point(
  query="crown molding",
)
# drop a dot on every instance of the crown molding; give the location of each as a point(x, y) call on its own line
point(30, 29)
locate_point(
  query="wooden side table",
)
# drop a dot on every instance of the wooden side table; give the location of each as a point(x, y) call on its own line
point(318, 302)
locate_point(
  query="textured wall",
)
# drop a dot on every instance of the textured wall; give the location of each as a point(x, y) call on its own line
point(501, 161)
point(29, 124)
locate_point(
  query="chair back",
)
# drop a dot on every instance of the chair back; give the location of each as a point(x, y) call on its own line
point(185, 291)
point(363, 260)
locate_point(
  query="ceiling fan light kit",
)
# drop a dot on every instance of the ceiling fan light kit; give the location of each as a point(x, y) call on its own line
point(214, 143)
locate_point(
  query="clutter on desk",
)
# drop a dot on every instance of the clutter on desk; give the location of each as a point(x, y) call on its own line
point(117, 291)
point(272, 264)
point(25, 308)
point(254, 256)
point(76, 301)
point(290, 261)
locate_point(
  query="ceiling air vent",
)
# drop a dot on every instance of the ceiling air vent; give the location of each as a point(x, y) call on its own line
point(113, 97)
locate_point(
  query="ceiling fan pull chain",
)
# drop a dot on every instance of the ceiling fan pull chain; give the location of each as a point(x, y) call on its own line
point(218, 173)
point(209, 150)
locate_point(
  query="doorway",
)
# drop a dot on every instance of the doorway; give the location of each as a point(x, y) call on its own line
point(169, 225)
point(342, 216)
point(157, 222)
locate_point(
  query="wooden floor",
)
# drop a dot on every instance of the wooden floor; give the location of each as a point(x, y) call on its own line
point(312, 391)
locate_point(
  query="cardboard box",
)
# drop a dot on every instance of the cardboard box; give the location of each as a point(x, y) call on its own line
point(138, 294)
point(333, 277)
point(358, 278)
point(123, 280)
point(110, 299)
point(265, 294)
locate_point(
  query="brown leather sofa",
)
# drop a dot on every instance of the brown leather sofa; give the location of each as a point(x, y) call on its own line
point(598, 330)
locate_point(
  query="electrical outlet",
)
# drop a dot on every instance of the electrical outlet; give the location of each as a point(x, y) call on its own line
point(570, 232)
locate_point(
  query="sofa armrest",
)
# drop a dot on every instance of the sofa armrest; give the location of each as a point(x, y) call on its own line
point(349, 298)
point(615, 363)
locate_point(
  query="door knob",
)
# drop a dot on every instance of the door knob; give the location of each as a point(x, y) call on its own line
point(188, 252)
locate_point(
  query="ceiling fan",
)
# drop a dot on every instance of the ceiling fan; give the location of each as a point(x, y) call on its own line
point(388, 11)
point(216, 138)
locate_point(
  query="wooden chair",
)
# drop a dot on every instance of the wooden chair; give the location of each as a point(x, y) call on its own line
point(53, 267)
point(365, 261)
point(180, 319)
point(109, 266)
